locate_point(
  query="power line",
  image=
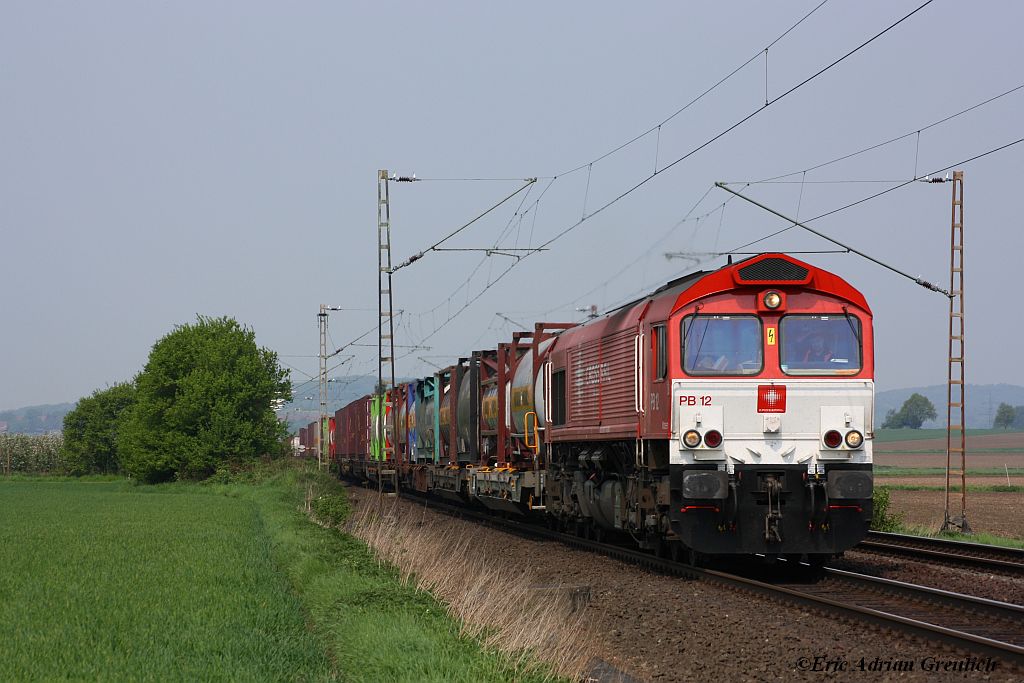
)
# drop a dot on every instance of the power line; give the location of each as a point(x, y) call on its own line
point(480, 179)
point(738, 250)
point(415, 257)
point(812, 182)
point(657, 172)
point(796, 223)
point(657, 127)
point(739, 123)
point(870, 197)
point(895, 139)
point(654, 245)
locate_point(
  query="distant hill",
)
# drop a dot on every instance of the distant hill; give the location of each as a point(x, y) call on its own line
point(982, 402)
point(35, 419)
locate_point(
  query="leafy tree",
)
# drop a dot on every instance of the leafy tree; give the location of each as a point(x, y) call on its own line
point(203, 400)
point(1005, 416)
point(913, 413)
point(91, 429)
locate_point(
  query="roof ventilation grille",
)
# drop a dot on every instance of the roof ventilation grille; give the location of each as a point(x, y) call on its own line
point(775, 269)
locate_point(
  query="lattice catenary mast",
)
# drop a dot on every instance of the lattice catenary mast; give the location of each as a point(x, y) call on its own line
point(383, 398)
point(322, 320)
point(956, 435)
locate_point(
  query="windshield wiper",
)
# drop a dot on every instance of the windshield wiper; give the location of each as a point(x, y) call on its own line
point(853, 328)
point(686, 339)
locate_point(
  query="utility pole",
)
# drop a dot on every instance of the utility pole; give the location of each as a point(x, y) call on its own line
point(322, 319)
point(956, 432)
point(387, 467)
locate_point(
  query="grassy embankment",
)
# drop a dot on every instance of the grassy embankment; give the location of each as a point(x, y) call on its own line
point(111, 581)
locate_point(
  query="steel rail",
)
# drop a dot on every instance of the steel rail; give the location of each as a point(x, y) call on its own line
point(979, 555)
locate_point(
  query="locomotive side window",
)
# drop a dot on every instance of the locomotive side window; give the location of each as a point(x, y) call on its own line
point(558, 397)
point(660, 353)
point(820, 344)
point(722, 345)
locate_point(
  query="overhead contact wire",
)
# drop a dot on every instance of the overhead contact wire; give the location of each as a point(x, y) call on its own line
point(741, 121)
point(695, 99)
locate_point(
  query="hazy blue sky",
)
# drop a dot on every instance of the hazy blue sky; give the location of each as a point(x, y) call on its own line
point(159, 160)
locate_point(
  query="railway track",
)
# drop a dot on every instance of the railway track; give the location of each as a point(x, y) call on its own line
point(991, 558)
point(978, 626)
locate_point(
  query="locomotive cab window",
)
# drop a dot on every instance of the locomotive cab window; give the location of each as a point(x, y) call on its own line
point(820, 344)
point(660, 353)
point(722, 345)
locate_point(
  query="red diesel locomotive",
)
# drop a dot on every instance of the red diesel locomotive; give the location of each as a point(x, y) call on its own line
point(728, 412)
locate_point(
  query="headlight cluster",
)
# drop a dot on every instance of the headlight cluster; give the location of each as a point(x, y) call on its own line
point(711, 439)
point(833, 439)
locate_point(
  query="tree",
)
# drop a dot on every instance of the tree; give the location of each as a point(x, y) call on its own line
point(1005, 416)
point(91, 431)
point(913, 413)
point(203, 400)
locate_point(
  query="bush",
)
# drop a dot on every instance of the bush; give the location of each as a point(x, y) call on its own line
point(330, 509)
point(203, 401)
point(91, 429)
point(881, 520)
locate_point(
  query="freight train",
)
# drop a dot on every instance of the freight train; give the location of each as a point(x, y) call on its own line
point(729, 412)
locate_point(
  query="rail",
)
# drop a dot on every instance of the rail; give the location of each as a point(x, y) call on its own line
point(942, 550)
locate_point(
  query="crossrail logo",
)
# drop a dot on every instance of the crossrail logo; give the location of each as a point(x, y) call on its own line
point(771, 398)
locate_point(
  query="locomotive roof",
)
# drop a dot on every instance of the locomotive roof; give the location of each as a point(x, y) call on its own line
point(765, 270)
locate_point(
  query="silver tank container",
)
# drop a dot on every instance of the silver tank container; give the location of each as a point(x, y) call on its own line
point(527, 391)
point(462, 414)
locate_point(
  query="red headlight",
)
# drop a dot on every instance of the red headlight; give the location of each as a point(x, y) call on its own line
point(713, 439)
point(833, 439)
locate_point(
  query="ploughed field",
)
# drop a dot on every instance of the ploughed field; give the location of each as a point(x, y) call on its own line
point(102, 582)
point(920, 463)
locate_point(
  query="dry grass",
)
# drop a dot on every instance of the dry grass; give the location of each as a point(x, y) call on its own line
point(537, 627)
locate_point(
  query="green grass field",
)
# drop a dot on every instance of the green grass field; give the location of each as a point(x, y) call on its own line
point(110, 581)
point(104, 581)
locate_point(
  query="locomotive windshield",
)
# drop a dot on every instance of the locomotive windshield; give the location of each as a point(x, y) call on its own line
point(820, 345)
point(722, 345)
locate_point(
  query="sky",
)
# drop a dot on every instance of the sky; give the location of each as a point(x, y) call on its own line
point(163, 160)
